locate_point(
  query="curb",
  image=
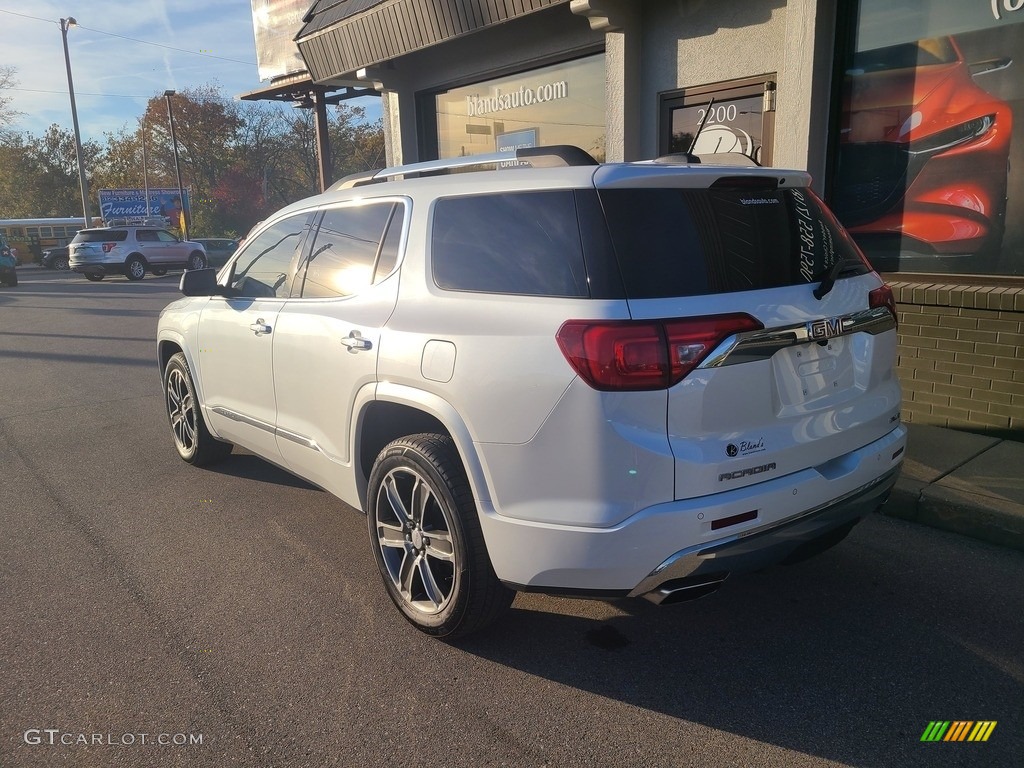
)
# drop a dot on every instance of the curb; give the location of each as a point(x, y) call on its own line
point(985, 518)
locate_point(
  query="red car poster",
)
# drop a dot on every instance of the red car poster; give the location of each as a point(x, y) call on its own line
point(931, 143)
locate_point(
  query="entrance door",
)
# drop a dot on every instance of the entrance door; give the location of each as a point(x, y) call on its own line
point(737, 115)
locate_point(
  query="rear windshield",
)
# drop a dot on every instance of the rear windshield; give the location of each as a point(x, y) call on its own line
point(101, 236)
point(692, 242)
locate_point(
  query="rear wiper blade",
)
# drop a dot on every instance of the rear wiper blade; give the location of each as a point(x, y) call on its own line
point(830, 277)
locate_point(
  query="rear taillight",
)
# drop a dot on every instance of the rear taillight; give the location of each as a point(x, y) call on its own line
point(882, 297)
point(633, 355)
point(108, 247)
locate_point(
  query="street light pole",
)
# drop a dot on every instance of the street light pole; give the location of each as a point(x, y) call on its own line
point(145, 166)
point(65, 24)
point(177, 165)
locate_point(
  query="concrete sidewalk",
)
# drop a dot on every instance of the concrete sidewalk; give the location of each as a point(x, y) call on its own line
point(962, 482)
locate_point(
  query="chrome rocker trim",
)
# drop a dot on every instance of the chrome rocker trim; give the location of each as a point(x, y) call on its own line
point(266, 427)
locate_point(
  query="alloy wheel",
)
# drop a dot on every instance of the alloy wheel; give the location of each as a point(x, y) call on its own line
point(181, 409)
point(415, 540)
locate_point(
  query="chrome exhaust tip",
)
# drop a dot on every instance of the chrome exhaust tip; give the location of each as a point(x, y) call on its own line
point(685, 589)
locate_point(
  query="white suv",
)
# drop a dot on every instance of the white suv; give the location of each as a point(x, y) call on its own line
point(599, 380)
point(131, 251)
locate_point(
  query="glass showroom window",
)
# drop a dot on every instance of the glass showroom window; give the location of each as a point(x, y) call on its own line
point(560, 104)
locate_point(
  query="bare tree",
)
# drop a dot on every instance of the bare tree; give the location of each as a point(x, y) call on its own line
point(7, 81)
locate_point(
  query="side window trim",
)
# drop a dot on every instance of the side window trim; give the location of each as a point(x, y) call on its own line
point(380, 244)
point(312, 232)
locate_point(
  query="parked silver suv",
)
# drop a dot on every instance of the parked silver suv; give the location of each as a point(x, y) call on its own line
point(132, 251)
point(611, 380)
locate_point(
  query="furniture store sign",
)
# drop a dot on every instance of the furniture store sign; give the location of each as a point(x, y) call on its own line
point(131, 203)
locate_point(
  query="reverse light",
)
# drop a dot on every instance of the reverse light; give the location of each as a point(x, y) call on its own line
point(108, 247)
point(644, 355)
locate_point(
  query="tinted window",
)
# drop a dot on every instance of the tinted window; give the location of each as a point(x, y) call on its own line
point(263, 269)
point(345, 250)
point(522, 243)
point(146, 235)
point(688, 242)
point(101, 236)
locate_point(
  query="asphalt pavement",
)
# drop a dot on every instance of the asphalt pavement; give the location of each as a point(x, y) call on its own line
point(154, 614)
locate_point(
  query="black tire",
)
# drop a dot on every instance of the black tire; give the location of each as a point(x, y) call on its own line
point(135, 268)
point(192, 439)
point(159, 272)
point(196, 260)
point(94, 277)
point(60, 263)
point(435, 569)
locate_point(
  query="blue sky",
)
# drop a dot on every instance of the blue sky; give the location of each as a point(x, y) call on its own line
point(114, 76)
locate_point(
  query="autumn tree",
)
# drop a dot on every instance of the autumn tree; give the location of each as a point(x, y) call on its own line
point(7, 115)
point(241, 160)
point(120, 165)
point(42, 174)
point(205, 125)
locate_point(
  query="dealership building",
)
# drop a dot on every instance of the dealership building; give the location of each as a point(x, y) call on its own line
point(909, 114)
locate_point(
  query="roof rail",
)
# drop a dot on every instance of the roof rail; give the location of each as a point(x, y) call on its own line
point(538, 157)
point(136, 221)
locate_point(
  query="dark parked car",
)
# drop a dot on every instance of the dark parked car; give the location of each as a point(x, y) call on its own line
point(218, 249)
point(55, 258)
point(8, 274)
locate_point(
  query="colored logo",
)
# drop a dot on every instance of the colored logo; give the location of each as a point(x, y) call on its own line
point(958, 730)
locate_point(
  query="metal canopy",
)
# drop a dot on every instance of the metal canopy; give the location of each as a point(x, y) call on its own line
point(341, 37)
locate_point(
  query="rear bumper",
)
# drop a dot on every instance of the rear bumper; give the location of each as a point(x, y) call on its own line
point(791, 540)
point(730, 532)
point(98, 268)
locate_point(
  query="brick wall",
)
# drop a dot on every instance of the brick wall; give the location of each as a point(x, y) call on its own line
point(961, 356)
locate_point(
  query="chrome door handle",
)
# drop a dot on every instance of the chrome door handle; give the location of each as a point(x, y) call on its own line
point(356, 342)
point(260, 327)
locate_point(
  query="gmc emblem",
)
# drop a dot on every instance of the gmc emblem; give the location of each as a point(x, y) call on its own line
point(828, 328)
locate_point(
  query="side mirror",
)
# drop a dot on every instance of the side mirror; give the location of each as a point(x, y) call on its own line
point(200, 282)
